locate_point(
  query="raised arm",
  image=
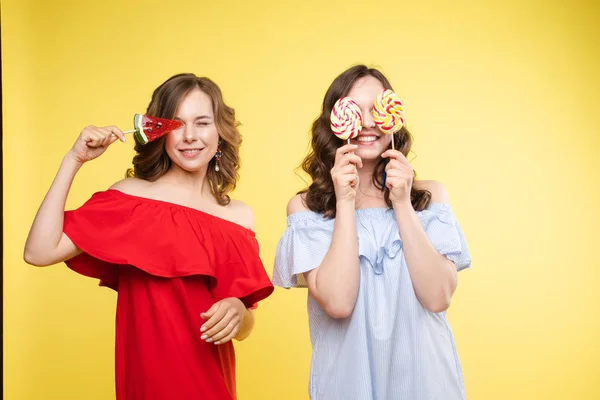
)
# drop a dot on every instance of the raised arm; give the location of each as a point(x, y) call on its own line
point(46, 243)
point(434, 277)
point(334, 284)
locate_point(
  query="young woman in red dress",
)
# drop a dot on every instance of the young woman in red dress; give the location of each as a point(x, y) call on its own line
point(181, 255)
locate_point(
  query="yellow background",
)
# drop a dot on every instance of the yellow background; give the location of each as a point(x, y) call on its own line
point(502, 98)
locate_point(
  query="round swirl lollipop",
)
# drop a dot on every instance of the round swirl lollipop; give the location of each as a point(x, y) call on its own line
point(388, 113)
point(346, 119)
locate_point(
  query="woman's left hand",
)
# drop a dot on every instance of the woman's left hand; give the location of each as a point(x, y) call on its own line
point(399, 177)
point(224, 320)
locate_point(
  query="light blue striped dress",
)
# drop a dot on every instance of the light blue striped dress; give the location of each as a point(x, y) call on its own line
point(390, 347)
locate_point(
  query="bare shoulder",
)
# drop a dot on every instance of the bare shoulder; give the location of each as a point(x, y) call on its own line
point(241, 213)
point(133, 186)
point(297, 204)
point(438, 191)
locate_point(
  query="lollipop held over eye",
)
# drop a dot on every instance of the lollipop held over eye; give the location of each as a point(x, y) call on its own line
point(346, 119)
point(388, 113)
point(148, 128)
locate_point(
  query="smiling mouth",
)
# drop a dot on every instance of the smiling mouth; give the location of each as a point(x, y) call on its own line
point(367, 138)
point(191, 152)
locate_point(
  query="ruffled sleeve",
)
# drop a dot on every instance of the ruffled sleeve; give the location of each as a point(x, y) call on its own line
point(167, 240)
point(445, 234)
point(302, 248)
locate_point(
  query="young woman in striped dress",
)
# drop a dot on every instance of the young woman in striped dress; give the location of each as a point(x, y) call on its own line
point(380, 260)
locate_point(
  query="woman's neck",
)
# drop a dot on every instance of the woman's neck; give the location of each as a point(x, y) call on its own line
point(195, 183)
point(368, 195)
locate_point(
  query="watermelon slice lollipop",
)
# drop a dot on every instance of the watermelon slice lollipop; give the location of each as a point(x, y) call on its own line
point(148, 128)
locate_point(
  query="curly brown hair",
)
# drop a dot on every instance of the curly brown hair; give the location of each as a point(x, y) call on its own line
point(152, 161)
point(320, 195)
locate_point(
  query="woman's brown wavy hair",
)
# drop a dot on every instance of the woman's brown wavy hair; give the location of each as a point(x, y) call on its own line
point(152, 161)
point(320, 195)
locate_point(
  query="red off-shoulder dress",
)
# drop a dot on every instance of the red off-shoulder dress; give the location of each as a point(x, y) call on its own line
point(168, 263)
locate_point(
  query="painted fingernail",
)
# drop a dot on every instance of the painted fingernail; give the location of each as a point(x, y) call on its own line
point(203, 337)
point(202, 329)
point(209, 340)
point(217, 342)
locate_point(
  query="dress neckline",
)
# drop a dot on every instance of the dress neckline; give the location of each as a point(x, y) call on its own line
point(183, 207)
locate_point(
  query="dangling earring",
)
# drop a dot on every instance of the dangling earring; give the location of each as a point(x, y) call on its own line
point(218, 157)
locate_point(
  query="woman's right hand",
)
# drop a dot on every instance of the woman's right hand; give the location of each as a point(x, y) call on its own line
point(344, 172)
point(93, 141)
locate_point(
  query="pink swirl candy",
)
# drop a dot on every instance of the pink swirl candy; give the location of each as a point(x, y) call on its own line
point(346, 118)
